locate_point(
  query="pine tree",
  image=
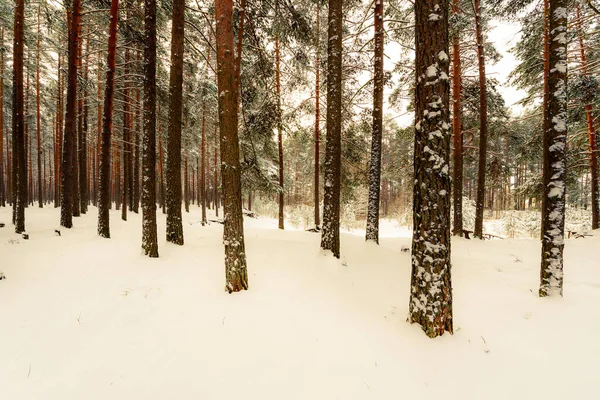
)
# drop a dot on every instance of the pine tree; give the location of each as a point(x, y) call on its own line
point(233, 232)
point(18, 122)
point(457, 175)
point(330, 237)
point(174, 221)
point(2, 182)
point(555, 114)
point(431, 286)
point(104, 178)
point(372, 232)
point(149, 235)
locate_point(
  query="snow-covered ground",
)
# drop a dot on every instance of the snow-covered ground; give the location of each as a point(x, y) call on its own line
point(88, 318)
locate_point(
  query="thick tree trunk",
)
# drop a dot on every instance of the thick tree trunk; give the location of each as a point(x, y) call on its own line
point(457, 187)
point(480, 202)
point(174, 222)
point(372, 231)
point(431, 286)
point(317, 120)
point(551, 274)
point(149, 235)
point(83, 145)
point(18, 122)
point(330, 237)
point(70, 131)
point(591, 132)
point(233, 233)
point(104, 181)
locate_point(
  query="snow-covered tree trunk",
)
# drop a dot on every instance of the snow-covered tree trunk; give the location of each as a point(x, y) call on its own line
point(18, 122)
point(372, 231)
point(457, 175)
point(149, 235)
point(483, 128)
point(330, 237)
point(553, 213)
point(70, 144)
point(104, 178)
point(431, 288)
point(236, 273)
point(174, 222)
point(317, 119)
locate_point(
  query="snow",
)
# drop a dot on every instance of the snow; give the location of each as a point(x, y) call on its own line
point(89, 318)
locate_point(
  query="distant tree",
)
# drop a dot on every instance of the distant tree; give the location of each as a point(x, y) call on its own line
point(431, 286)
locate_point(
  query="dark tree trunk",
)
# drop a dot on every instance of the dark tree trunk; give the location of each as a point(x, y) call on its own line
point(38, 117)
point(149, 235)
point(18, 122)
point(174, 223)
point(480, 202)
point(135, 202)
point(2, 184)
point(233, 233)
point(546, 55)
point(279, 117)
point(70, 131)
point(203, 164)
point(126, 140)
point(330, 237)
point(431, 286)
point(83, 145)
point(372, 231)
point(457, 129)
point(317, 120)
point(104, 182)
point(553, 213)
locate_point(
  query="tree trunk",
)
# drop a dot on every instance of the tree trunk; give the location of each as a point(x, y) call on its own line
point(233, 232)
point(203, 164)
point(126, 138)
point(551, 274)
point(135, 179)
point(372, 231)
point(317, 119)
point(174, 223)
point(330, 237)
point(2, 185)
point(149, 235)
point(38, 116)
point(480, 202)
point(104, 181)
point(457, 187)
point(83, 146)
point(546, 56)
point(279, 116)
point(431, 286)
point(591, 132)
point(18, 122)
point(70, 131)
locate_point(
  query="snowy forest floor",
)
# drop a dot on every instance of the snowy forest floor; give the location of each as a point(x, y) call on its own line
point(88, 318)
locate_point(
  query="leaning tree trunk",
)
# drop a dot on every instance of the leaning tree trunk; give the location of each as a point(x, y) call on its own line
point(330, 237)
point(174, 222)
point(66, 206)
point(233, 232)
point(457, 129)
point(431, 286)
point(551, 274)
point(18, 122)
point(104, 181)
point(149, 235)
point(480, 201)
point(372, 232)
point(591, 132)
